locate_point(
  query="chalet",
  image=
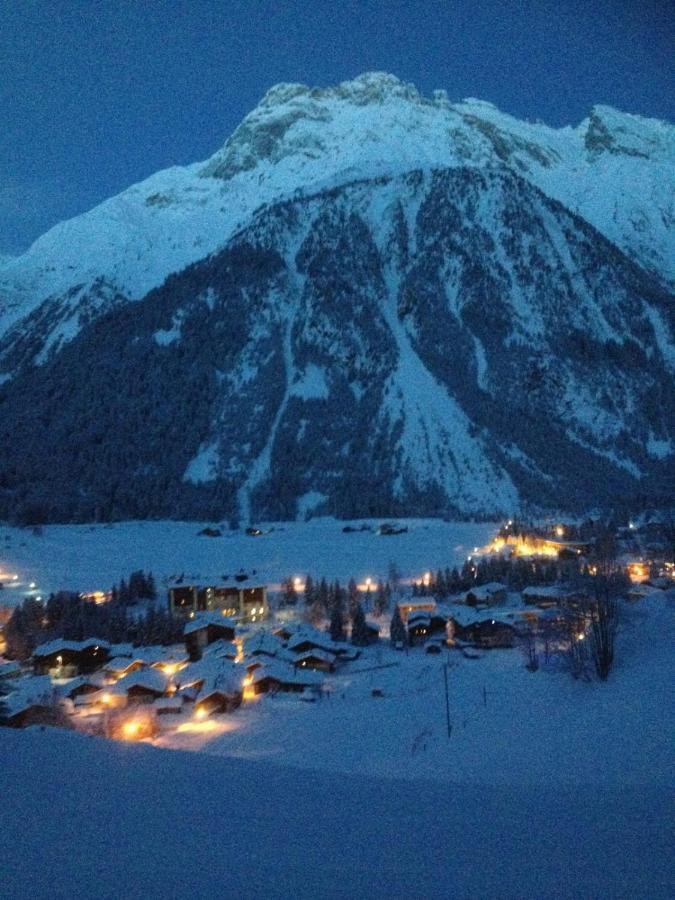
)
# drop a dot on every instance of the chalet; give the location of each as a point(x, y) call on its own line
point(275, 678)
point(263, 644)
point(217, 700)
point(204, 630)
point(121, 666)
point(372, 632)
point(137, 725)
point(33, 702)
point(318, 660)
point(221, 649)
point(285, 632)
point(489, 633)
point(423, 625)
point(409, 607)
point(81, 686)
point(142, 686)
point(64, 659)
point(486, 594)
point(244, 604)
point(545, 595)
point(308, 638)
point(168, 706)
point(31, 713)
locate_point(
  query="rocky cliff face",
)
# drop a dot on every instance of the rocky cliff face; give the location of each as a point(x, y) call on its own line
point(441, 340)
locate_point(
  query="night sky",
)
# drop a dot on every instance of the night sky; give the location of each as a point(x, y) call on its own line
point(97, 95)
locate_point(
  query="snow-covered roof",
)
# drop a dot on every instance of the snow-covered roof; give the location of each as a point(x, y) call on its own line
point(262, 642)
point(285, 675)
point(317, 639)
point(59, 644)
point(552, 591)
point(323, 655)
point(9, 669)
point(468, 615)
point(34, 690)
point(209, 669)
point(150, 679)
point(486, 591)
point(96, 680)
point(419, 617)
point(220, 648)
point(203, 620)
point(121, 663)
point(125, 649)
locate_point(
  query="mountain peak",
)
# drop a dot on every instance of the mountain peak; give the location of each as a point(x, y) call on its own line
point(369, 87)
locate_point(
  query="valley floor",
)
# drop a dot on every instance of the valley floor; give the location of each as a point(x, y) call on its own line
point(94, 557)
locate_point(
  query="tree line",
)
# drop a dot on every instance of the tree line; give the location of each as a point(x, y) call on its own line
point(72, 617)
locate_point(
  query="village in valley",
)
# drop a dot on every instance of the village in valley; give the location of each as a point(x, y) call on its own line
point(242, 667)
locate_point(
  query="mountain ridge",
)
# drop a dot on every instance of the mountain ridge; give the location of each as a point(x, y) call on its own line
point(370, 126)
point(440, 342)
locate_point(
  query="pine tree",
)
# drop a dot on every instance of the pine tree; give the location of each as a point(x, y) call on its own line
point(150, 586)
point(290, 596)
point(397, 628)
point(381, 601)
point(352, 596)
point(309, 591)
point(359, 629)
point(337, 625)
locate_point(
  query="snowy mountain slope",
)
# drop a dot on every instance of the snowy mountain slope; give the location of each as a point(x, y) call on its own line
point(616, 170)
point(446, 340)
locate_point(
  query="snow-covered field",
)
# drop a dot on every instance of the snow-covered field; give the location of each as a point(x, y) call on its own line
point(94, 557)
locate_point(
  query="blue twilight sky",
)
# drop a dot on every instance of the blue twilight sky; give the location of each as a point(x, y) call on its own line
point(98, 94)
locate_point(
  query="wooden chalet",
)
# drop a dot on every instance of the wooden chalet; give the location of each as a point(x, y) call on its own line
point(489, 633)
point(423, 625)
point(318, 660)
point(64, 659)
point(143, 686)
point(204, 630)
point(272, 679)
point(486, 594)
point(121, 666)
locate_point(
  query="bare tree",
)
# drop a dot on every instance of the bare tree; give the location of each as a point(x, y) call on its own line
point(604, 616)
point(577, 651)
point(528, 643)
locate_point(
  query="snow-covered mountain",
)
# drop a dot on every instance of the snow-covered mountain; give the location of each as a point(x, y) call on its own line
point(381, 304)
point(615, 170)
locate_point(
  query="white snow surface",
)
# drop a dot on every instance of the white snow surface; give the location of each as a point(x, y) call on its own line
point(94, 557)
point(300, 139)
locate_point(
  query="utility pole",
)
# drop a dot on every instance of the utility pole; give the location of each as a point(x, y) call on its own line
point(447, 699)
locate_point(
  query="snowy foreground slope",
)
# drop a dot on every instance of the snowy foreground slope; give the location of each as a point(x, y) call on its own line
point(90, 819)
